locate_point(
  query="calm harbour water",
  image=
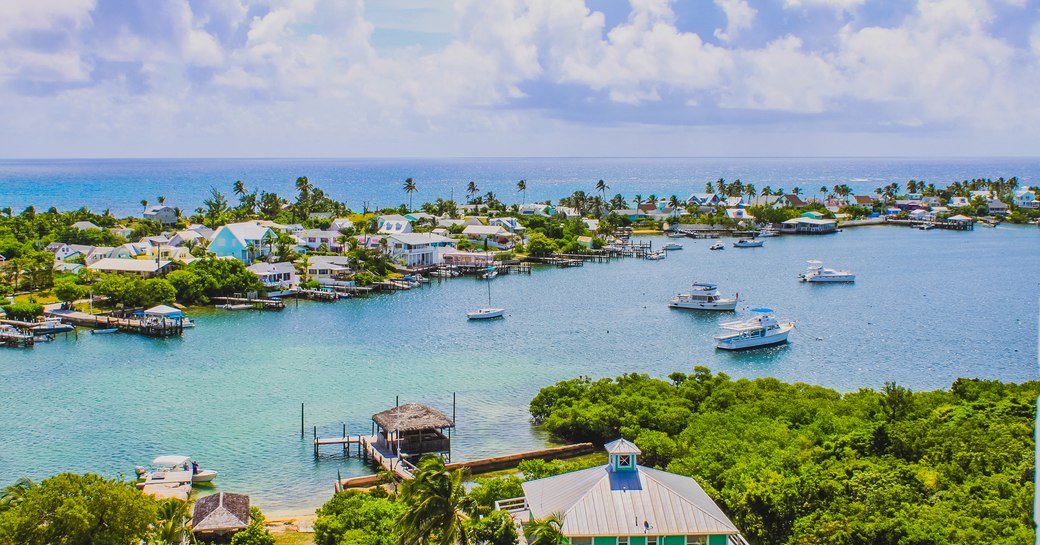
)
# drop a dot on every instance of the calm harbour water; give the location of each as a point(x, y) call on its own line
point(928, 307)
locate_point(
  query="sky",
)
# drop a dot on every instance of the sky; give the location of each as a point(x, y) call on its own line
point(472, 78)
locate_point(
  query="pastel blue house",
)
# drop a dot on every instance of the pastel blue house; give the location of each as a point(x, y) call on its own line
point(246, 241)
point(623, 503)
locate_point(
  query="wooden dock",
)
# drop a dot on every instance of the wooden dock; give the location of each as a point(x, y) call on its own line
point(151, 326)
point(403, 469)
point(261, 304)
point(938, 224)
point(18, 338)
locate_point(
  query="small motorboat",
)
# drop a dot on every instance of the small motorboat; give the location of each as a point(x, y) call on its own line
point(236, 306)
point(104, 331)
point(490, 273)
point(51, 326)
point(672, 246)
point(768, 233)
point(658, 255)
point(486, 313)
point(175, 469)
point(748, 243)
point(676, 234)
point(757, 332)
point(187, 322)
point(717, 246)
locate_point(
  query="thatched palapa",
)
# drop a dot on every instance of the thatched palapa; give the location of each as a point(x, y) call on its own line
point(221, 513)
point(412, 417)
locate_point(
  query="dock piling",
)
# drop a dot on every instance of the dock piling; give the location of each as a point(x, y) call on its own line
point(301, 420)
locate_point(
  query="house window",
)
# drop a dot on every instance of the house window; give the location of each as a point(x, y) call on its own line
point(696, 540)
point(651, 540)
point(622, 540)
point(581, 541)
point(624, 461)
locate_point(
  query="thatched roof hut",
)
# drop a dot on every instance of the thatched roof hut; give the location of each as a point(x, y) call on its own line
point(412, 417)
point(221, 513)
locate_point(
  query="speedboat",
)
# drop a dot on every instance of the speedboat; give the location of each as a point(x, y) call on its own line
point(717, 246)
point(757, 332)
point(658, 255)
point(486, 313)
point(748, 243)
point(816, 273)
point(187, 322)
point(51, 326)
point(672, 246)
point(768, 233)
point(489, 273)
point(175, 468)
point(234, 306)
point(104, 331)
point(704, 296)
point(676, 234)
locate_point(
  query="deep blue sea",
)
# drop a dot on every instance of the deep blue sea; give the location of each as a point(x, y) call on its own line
point(928, 307)
point(121, 184)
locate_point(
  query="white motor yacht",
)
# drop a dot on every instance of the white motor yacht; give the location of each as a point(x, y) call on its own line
point(704, 296)
point(748, 243)
point(672, 246)
point(657, 255)
point(817, 273)
point(757, 332)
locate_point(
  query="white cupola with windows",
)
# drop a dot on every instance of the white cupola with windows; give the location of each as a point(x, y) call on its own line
point(622, 454)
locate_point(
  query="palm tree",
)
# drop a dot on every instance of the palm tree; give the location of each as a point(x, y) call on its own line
point(720, 186)
point(435, 500)
point(707, 187)
point(638, 199)
point(472, 189)
point(548, 531)
point(171, 521)
point(7, 210)
point(521, 186)
point(161, 199)
point(409, 188)
point(144, 204)
point(602, 187)
point(750, 191)
point(673, 201)
point(239, 188)
point(13, 494)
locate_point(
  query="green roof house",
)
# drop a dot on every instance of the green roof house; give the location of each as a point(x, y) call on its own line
point(623, 503)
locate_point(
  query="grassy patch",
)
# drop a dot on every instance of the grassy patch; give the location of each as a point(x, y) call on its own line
point(293, 538)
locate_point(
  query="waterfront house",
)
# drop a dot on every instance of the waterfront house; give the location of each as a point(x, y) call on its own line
point(930, 201)
point(161, 213)
point(394, 223)
point(592, 224)
point(633, 214)
point(220, 514)
point(281, 275)
point(737, 213)
point(771, 201)
point(808, 226)
point(733, 202)
point(793, 201)
point(470, 259)
point(812, 214)
point(624, 503)
point(246, 241)
point(862, 200)
point(314, 239)
point(419, 249)
point(510, 224)
point(663, 213)
point(997, 207)
point(585, 241)
point(703, 199)
point(1026, 198)
point(415, 429)
point(326, 268)
point(537, 209)
point(921, 214)
point(339, 224)
point(958, 202)
point(495, 236)
point(144, 268)
point(84, 225)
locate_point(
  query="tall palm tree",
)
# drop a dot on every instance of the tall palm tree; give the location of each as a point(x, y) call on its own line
point(14, 493)
point(171, 521)
point(750, 191)
point(472, 189)
point(161, 199)
point(766, 191)
point(409, 188)
point(602, 187)
point(521, 186)
point(638, 199)
point(239, 187)
point(144, 204)
point(7, 210)
point(707, 187)
point(435, 500)
point(548, 531)
point(720, 186)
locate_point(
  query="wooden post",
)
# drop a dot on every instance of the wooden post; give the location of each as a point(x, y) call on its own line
point(346, 445)
point(301, 420)
point(315, 441)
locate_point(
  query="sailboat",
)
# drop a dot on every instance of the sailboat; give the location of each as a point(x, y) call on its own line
point(487, 313)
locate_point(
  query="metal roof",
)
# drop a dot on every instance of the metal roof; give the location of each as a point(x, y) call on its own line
point(602, 502)
point(622, 446)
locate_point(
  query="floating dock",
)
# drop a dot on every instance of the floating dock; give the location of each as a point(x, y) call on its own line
point(151, 326)
point(261, 304)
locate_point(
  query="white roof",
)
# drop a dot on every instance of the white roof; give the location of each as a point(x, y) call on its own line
point(164, 310)
point(960, 217)
point(484, 230)
point(602, 502)
point(171, 460)
point(809, 220)
point(84, 225)
point(127, 265)
point(419, 238)
point(247, 230)
point(280, 267)
point(622, 446)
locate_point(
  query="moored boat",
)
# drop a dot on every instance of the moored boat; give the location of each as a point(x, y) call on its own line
point(717, 246)
point(817, 273)
point(672, 246)
point(104, 331)
point(704, 296)
point(51, 326)
point(175, 468)
point(486, 313)
point(768, 233)
point(757, 332)
point(748, 243)
point(236, 306)
point(657, 255)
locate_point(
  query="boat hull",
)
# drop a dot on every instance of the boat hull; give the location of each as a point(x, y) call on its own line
point(738, 342)
point(830, 279)
point(704, 305)
point(747, 244)
point(204, 476)
point(486, 314)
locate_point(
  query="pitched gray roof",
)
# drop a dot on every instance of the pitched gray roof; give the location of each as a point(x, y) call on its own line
point(221, 512)
point(622, 446)
point(601, 502)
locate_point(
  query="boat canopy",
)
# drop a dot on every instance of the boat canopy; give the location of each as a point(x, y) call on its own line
point(171, 460)
point(763, 310)
point(164, 310)
point(704, 286)
point(742, 325)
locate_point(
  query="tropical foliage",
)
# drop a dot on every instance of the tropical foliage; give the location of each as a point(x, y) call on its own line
point(802, 464)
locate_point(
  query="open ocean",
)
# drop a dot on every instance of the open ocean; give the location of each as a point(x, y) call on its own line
point(928, 307)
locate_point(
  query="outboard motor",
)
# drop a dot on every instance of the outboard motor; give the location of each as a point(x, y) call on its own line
point(141, 472)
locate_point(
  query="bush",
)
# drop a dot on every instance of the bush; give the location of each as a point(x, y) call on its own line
point(24, 311)
point(354, 517)
point(255, 533)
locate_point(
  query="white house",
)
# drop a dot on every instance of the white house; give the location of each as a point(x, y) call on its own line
point(419, 249)
point(161, 213)
point(316, 238)
point(958, 202)
point(703, 199)
point(536, 209)
point(84, 225)
point(997, 207)
point(495, 236)
point(98, 253)
point(324, 268)
point(281, 275)
point(341, 223)
point(394, 223)
point(145, 268)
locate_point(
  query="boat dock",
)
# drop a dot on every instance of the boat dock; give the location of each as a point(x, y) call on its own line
point(403, 469)
point(16, 337)
point(938, 224)
point(151, 326)
point(261, 304)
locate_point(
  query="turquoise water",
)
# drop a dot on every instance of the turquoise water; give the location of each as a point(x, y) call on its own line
point(928, 307)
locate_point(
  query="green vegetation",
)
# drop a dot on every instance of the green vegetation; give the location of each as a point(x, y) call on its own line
point(255, 533)
point(22, 311)
point(802, 464)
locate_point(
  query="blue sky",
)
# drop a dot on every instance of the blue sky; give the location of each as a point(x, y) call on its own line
point(342, 78)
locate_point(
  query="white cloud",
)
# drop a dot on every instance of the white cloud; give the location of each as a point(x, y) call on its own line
point(837, 5)
point(739, 16)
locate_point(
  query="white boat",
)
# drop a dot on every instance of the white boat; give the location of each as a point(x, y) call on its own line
point(187, 322)
point(748, 243)
point(677, 234)
point(816, 273)
point(704, 296)
point(488, 312)
point(768, 233)
point(757, 332)
point(672, 246)
point(236, 306)
point(51, 326)
point(925, 226)
point(656, 256)
point(175, 468)
point(490, 273)
point(104, 331)
point(717, 246)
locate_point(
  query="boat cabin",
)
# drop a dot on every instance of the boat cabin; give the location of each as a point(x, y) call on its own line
point(413, 429)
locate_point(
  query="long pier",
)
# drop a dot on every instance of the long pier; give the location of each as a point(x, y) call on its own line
point(152, 326)
point(262, 304)
point(403, 469)
point(938, 224)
